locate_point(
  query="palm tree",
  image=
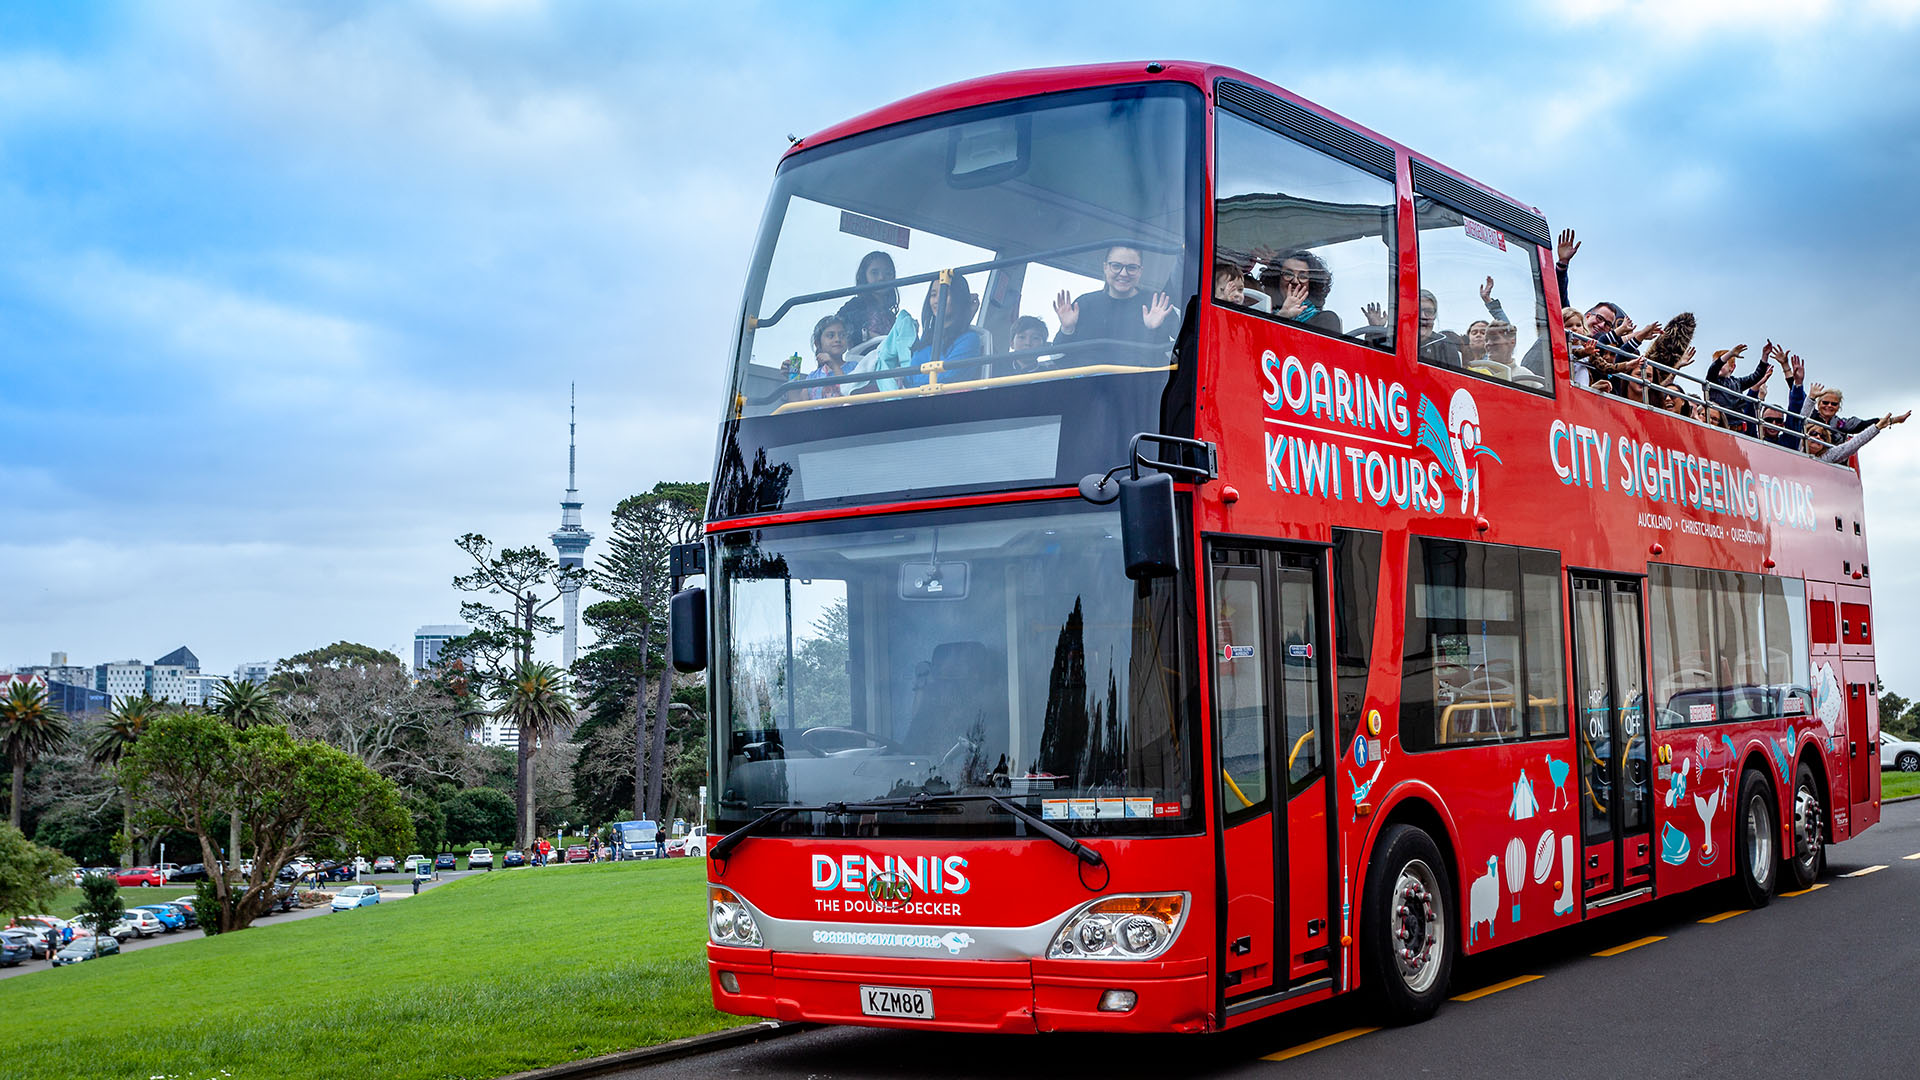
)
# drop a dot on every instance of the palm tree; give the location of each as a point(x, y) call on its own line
point(124, 726)
point(242, 705)
point(30, 726)
point(538, 704)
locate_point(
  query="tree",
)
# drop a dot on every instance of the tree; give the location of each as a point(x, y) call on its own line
point(188, 771)
point(125, 724)
point(527, 576)
point(28, 874)
point(100, 906)
point(538, 705)
point(291, 673)
point(242, 705)
point(479, 815)
point(410, 732)
point(30, 726)
point(635, 569)
point(429, 821)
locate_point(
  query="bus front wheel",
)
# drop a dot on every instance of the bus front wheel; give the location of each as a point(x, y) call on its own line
point(1407, 925)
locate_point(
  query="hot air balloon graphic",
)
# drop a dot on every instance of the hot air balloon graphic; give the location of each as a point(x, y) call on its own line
point(1455, 443)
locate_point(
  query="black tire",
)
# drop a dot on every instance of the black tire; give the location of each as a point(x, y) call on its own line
point(1407, 865)
point(1809, 830)
point(1756, 840)
point(1907, 762)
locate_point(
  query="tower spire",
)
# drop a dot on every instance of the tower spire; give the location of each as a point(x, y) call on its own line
point(570, 540)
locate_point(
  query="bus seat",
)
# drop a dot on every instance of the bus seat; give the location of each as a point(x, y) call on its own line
point(1259, 301)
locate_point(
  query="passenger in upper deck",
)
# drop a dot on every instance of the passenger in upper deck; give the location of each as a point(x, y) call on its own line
point(1502, 339)
point(1116, 312)
point(1819, 448)
point(1435, 347)
point(870, 314)
point(829, 356)
point(1476, 341)
point(1230, 284)
point(1029, 333)
point(1736, 395)
point(960, 340)
point(1304, 283)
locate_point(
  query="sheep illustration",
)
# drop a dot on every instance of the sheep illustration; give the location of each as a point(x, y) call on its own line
point(1483, 902)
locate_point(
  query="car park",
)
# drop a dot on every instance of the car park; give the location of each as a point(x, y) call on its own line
point(171, 918)
point(446, 861)
point(384, 865)
point(17, 947)
point(143, 876)
point(85, 948)
point(579, 853)
point(354, 896)
point(480, 857)
point(512, 858)
point(143, 922)
point(1899, 754)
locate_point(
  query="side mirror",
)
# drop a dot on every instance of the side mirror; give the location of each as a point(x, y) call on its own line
point(687, 628)
point(1148, 533)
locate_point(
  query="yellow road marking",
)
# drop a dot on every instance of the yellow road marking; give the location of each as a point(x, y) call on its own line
point(1618, 949)
point(1805, 891)
point(1724, 916)
point(1868, 870)
point(1497, 987)
point(1319, 1044)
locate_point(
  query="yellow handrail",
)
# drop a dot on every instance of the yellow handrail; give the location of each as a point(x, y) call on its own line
point(1238, 794)
point(1297, 747)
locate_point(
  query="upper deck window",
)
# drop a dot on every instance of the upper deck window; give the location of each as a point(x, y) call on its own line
point(1481, 304)
point(1300, 236)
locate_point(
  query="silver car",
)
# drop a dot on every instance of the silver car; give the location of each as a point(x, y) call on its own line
point(1899, 754)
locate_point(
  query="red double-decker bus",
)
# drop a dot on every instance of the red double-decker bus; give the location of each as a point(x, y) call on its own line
point(1137, 597)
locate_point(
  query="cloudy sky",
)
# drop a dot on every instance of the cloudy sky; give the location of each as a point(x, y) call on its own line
point(290, 294)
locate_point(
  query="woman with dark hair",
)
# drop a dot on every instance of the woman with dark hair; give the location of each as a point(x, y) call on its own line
point(1305, 282)
point(829, 355)
point(958, 339)
point(870, 314)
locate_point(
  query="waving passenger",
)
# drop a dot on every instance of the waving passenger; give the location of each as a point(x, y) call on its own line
point(870, 314)
point(1305, 282)
point(1735, 394)
point(1119, 311)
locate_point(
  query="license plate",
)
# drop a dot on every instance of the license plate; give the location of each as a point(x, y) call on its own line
point(896, 1001)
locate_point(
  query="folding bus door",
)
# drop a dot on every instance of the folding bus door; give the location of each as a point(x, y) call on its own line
point(1271, 706)
point(1616, 761)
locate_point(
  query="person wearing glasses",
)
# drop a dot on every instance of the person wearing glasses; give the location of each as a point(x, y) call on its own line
point(1119, 312)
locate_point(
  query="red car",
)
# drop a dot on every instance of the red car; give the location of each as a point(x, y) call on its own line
point(579, 853)
point(142, 875)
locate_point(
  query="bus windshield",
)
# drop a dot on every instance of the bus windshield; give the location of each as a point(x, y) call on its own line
point(967, 652)
point(908, 289)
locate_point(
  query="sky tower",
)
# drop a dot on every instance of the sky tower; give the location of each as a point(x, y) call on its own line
point(571, 541)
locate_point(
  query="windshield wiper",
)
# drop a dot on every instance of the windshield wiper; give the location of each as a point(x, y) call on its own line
point(910, 802)
point(1032, 820)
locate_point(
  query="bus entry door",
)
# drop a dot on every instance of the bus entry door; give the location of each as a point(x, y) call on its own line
point(1271, 696)
point(1616, 760)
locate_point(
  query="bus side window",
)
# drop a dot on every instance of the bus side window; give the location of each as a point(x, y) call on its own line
point(1481, 303)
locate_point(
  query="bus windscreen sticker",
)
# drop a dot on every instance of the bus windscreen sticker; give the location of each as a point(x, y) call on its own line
point(1486, 234)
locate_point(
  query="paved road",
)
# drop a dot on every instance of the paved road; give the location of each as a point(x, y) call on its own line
point(1822, 983)
point(389, 890)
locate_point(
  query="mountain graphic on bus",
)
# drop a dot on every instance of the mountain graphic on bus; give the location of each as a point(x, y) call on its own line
point(1455, 444)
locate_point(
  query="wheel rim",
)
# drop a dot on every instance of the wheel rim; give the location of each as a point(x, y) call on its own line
point(1910, 763)
point(1419, 926)
point(1759, 840)
point(1806, 829)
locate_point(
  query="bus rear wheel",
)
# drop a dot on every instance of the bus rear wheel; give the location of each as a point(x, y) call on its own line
point(1809, 830)
point(1754, 836)
point(1406, 926)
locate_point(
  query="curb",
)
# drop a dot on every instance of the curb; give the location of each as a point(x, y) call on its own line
point(744, 1035)
point(1898, 799)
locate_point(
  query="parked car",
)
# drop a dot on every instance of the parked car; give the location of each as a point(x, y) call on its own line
point(696, 846)
point(385, 865)
point(16, 947)
point(354, 896)
point(413, 861)
point(446, 860)
point(579, 853)
point(84, 948)
point(167, 869)
point(184, 906)
point(144, 876)
point(512, 858)
point(333, 871)
point(480, 857)
point(279, 898)
point(1899, 754)
point(190, 873)
point(144, 922)
point(171, 918)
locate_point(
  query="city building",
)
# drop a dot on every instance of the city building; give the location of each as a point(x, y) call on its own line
point(571, 541)
point(496, 731)
point(254, 671)
point(167, 676)
point(61, 671)
point(429, 640)
point(201, 688)
point(126, 679)
point(76, 699)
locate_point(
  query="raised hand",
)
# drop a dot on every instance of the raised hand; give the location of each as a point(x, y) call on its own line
point(1889, 420)
point(1293, 301)
point(1568, 246)
point(1066, 311)
point(1815, 390)
point(1649, 331)
point(1734, 354)
point(1688, 359)
point(1486, 292)
point(1623, 327)
point(1156, 313)
point(1796, 368)
point(1376, 315)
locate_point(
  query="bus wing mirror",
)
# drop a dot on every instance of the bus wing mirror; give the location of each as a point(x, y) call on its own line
point(687, 628)
point(1148, 532)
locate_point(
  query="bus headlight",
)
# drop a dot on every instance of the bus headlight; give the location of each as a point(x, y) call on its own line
point(1120, 928)
point(728, 920)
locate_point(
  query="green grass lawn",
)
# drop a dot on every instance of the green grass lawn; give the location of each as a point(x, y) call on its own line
point(474, 978)
point(1895, 784)
point(68, 899)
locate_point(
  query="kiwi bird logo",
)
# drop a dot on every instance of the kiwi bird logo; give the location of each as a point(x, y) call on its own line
point(1455, 443)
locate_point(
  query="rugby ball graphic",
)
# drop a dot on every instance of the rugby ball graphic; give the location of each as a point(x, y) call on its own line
point(1543, 857)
